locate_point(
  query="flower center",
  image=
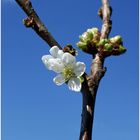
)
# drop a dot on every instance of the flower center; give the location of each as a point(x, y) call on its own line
point(68, 72)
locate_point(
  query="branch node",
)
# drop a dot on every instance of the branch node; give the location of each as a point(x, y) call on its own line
point(29, 22)
point(100, 13)
point(68, 48)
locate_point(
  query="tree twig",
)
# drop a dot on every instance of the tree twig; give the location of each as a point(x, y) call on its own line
point(36, 24)
point(107, 23)
point(93, 80)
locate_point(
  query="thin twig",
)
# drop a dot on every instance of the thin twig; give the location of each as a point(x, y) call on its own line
point(35, 23)
point(107, 23)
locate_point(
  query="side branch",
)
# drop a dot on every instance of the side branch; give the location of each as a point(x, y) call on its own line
point(36, 24)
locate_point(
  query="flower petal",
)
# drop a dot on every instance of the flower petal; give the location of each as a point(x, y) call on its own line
point(59, 79)
point(68, 59)
point(54, 51)
point(60, 54)
point(56, 65)
point(79, 68)
point(46, 59)
point(74, 84)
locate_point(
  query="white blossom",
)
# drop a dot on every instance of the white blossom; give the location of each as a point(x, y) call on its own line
point(66, 66)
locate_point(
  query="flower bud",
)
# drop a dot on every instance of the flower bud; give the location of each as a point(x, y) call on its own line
point(122, 49)
point(93, 30)
point(82, 45)
point(102, 42)
point(116, 39)
point(108, 47)
point(86, 36)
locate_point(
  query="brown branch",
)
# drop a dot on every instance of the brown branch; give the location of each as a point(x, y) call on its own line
point(89, 92)
point(90, 87)
point(107, 23)
point(36, 24)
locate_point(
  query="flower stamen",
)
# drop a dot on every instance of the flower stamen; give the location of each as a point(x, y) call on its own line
point(68, 72)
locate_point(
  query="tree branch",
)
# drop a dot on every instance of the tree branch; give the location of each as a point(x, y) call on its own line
point(106, 12)
point(93, 80)
point(36, 24)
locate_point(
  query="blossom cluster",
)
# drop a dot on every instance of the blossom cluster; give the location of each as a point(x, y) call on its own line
point(90, 36)
point(90, 42)
point(64, 64)
point(112, 46)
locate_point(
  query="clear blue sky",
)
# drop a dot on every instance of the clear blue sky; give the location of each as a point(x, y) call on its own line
point(33, 107)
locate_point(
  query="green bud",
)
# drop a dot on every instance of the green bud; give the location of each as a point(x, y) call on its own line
point(82, 45)
point(122, 49)
point(86, 36)
point(116, 39)
point(106, 40)
point(93, 30)
point(102, 42)
point(112, 40)
point(89, 36)
point(108, 47)
point(81, 38)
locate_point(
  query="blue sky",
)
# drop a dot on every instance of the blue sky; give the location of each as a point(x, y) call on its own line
point(33, 107)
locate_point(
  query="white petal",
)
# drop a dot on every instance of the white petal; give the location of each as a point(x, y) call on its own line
point(54, 51)
point(74, 84)
point(68, 59)
point(59, 80)
point(60, 54)
point(79, 68)
point(46, 59)
point(56, 65)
